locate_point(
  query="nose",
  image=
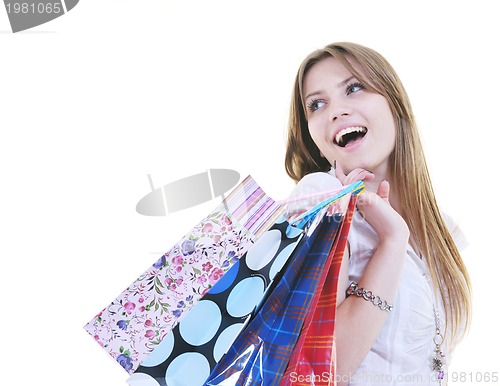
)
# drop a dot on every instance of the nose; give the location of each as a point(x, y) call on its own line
point(339, 109)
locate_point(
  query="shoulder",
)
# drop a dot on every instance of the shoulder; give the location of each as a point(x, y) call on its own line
point(455, 231)
point(318, 182)
point(309, 191)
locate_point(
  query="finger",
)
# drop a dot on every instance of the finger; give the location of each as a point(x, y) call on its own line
point(339, 172)
point(365, 175)
point(359, 174)
point(384, 190)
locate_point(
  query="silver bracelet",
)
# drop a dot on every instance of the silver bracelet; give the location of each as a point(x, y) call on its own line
point(369, 296)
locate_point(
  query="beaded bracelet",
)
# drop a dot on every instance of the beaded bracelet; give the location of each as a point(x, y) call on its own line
point(369, 296)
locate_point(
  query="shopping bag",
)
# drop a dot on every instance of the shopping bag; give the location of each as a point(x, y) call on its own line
point(138, 320)
point(313, 358)
point(261, 353)
point(208, 330)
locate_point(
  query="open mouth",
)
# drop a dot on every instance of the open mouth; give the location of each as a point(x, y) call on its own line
point(350, 135)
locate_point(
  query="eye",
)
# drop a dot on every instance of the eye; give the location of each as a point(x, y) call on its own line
point(315, 104)
point(354, 87)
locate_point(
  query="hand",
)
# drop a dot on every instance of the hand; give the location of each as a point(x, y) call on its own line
point(375, 207)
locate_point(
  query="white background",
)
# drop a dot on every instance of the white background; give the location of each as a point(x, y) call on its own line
point(93, 101)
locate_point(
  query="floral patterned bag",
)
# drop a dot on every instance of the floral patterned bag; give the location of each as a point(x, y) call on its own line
point(138, 320)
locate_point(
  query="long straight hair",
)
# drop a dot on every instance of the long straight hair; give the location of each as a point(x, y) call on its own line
point(407, 169)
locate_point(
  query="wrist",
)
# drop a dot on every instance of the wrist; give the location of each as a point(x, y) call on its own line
point(396, 234)
point(396, 241)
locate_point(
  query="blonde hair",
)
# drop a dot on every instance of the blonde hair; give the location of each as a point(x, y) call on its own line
point(408, 170)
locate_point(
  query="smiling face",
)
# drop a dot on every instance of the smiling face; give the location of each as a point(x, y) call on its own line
point(347, 122)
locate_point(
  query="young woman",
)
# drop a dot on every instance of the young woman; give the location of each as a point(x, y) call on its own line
point(404, 291)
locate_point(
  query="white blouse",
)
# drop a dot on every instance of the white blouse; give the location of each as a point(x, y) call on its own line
point(403, 352)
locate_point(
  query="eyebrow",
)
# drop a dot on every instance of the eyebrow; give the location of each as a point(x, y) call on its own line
point(343, 83)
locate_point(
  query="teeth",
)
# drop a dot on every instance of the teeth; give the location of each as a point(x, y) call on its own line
point(348, 130)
